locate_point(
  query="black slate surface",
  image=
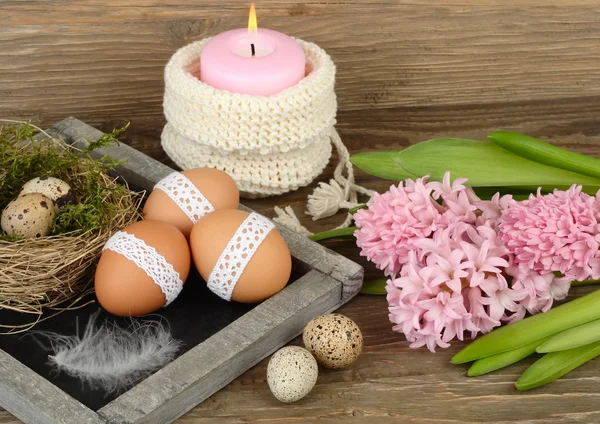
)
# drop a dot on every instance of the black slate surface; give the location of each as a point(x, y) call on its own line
point(193, 317)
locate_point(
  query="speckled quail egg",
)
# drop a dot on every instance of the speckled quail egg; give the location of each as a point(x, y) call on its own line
point(335, 340)
point(292, 373)
point(57, 190)
point(28, 216)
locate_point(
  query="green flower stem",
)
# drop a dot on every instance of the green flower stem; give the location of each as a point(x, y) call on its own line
point(545, 153)
point(339, 233)
point(573, 337)
point(556, 364)
point(502, 360)
point(376, 286)
point(537, 327)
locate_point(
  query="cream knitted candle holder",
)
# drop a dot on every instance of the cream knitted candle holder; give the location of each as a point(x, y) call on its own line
point(268, 145)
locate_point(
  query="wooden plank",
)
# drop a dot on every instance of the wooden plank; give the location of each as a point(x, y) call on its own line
point(33, 12)
point(388, 54)
point(200, 372)
point(34, 399)
point(144, 172)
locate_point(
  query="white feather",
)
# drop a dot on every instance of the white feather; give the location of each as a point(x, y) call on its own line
point(110, 357)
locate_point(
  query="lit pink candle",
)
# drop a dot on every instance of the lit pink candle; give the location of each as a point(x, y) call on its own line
point(260, 62)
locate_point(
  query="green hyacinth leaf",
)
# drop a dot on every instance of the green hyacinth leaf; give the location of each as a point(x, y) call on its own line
point(574, 337)
point(381, 164)
point(495, 362)
point(539, 151)
point(376, 286)
point(556, 364)
point(485, 165)
point(568, 315)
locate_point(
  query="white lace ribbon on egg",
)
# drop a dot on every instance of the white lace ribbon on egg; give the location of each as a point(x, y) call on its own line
point(236, 256)
point(185, 195)
point(148, 260)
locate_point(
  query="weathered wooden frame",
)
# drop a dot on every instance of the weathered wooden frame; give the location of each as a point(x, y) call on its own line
point(329, 281)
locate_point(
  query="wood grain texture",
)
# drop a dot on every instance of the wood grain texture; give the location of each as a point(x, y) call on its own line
point(21, 388)
point(407, 71)
point(103, 60)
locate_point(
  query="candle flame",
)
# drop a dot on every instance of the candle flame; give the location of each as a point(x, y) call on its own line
point(252, 22)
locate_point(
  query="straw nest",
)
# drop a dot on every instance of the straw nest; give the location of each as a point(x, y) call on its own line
point(44, 276)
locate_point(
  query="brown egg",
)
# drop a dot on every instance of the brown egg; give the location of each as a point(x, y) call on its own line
point(125, 289)
point(267, 271)
point(216, 186)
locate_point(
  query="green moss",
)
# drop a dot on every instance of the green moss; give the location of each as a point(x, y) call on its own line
point(96, 199)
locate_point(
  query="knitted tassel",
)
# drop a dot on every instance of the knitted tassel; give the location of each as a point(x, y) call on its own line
point(328, 198)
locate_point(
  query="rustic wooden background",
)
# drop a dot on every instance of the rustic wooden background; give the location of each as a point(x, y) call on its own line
point(408, 70)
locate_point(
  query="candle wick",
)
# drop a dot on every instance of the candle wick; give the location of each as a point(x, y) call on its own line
point(253, 51)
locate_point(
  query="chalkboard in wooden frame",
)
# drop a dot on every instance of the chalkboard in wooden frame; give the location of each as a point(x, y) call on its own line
point(327, 281)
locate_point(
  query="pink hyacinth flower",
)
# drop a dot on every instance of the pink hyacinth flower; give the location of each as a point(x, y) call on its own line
point(393, 221)
point(459, 265)
point(557, 232)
